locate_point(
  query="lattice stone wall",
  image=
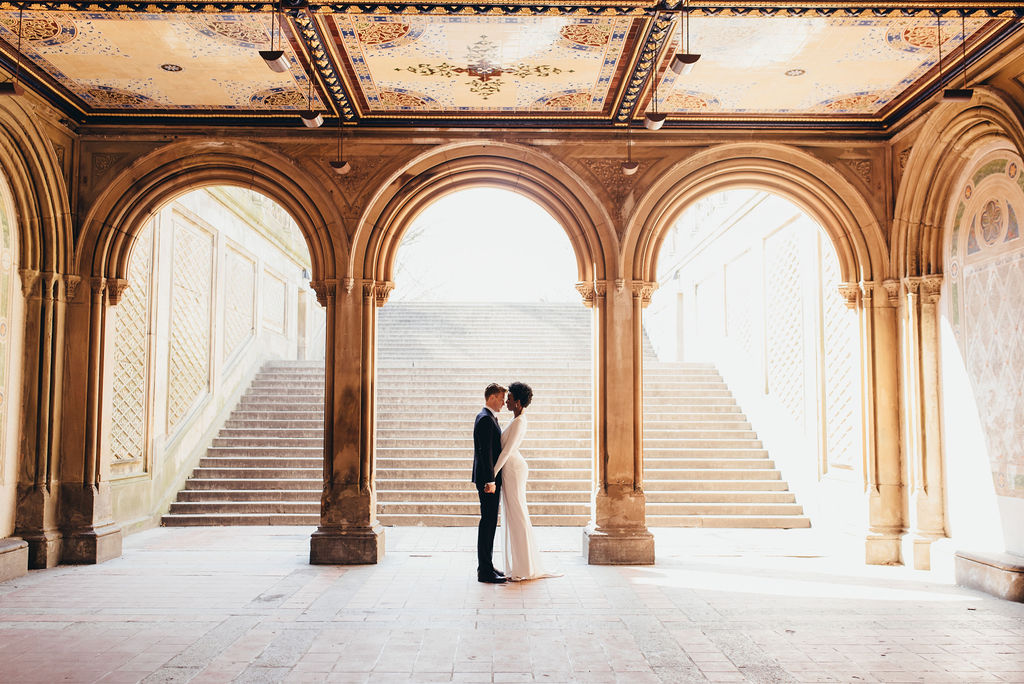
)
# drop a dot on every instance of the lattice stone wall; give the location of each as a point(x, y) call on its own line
point(740, 293)
point(7, 287)
point(131, 361)
point(274, 292)
point(239, 308)
point(986, 272)
point(841, 369)
point(191, 290)
point(784, 321)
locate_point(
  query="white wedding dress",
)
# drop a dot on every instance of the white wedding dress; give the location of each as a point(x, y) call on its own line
point(522, 557)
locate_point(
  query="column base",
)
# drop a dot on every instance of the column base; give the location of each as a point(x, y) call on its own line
point(883, 549)
point(13, 558)
point(628, 546)
point(336, 546)
point(999, 574)
point(921, 550)
point(44, 549)
point(92, 545)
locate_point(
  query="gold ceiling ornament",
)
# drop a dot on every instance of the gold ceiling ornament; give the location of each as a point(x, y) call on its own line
point(682, 62)
point(958, 94)
point(13, 87)
point(274, 57)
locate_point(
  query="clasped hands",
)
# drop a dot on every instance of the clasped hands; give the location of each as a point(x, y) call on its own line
point(490, 488)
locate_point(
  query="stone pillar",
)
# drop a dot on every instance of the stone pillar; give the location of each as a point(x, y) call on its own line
point(349, 532)
point(883, 471)
point(926, 465)
point(38, 478)
point(90, 533)
point(617, 533)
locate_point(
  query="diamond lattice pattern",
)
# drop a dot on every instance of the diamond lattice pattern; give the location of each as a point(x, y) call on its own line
point(842, 377)
point(239, 312)
point(784, 321)
point(131, 360)
point(189, 365)
point(739, 290)
point(274, 292)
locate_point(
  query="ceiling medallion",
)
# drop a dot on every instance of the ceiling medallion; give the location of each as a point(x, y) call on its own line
point(795, 72)
point(170, 67)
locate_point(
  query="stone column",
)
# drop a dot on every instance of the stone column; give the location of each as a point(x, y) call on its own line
point(883, 474)
point(349, 532)
point(38, 478)
point(617, 533)
point(90, 533)
point(926, 478)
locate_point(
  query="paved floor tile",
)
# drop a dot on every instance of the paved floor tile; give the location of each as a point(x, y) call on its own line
point(218, 605)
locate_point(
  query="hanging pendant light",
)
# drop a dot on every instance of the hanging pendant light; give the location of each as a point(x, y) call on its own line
point(682, 62)
point(653, 120)
point(13, 87)
point(629, 167)
point(959, 94)
point(275, 58)
point(339, 165)
point(311, 119)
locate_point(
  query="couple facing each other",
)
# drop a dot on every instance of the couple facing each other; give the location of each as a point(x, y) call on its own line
point(500, 472)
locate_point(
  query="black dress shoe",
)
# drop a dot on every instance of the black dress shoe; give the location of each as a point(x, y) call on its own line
point(499, 573)
point(491, 579)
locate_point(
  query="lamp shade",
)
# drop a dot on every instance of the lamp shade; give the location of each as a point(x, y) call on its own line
point(312, 119)
point(654, 120)
point(682, 62)
point(275, 60)
point(957, 94)
point(630, 167)
point(11, 88)
point(340, 167)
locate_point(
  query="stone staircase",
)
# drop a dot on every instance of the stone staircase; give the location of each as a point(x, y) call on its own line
point(704, 466)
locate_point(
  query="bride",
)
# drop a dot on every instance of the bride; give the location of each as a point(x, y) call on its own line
point(522, 557)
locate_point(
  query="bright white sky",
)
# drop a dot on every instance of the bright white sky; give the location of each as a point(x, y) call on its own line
point(485, 245)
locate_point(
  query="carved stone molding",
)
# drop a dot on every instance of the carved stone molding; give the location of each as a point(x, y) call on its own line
point(850, 292)
point(609, 174)
point(912, 285)
point(29, 281)
point(382, 290)
point(97, 285)
point(902, 160)
point(862, 167)
point(643, 290)
point(116, 288)
point(586, 291)
point(348, 282)
point(600, 290)
point(51, 285)
point(893, 290)
point(867, 291)
point(71, 283)
point(931, 287)
point(102, 162)
point(325, 290)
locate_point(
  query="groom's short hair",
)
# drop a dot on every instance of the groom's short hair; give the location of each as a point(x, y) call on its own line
point(492, 389)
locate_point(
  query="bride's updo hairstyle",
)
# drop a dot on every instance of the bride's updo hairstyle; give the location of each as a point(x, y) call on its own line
point(521, 392)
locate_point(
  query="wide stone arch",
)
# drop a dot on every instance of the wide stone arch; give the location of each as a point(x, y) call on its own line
point(953, 134)
point(807, 181)
point(120, 212)
point(448, 169)
point(38, 191)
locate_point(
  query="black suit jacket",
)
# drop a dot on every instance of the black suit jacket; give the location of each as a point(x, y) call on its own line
point(486, 448)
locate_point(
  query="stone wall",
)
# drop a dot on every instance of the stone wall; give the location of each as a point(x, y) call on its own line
point(983, 353)
point(11, 314)
point(759, 287)
point(215, 288)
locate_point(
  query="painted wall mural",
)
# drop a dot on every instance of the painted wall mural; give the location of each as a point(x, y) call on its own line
point(985, 306)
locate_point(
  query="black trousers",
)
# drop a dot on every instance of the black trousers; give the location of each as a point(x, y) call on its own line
point(488, 524)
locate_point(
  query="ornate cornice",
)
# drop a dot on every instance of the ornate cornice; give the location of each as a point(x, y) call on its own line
point(325, 290)
point(646, 62)
point(325, 68)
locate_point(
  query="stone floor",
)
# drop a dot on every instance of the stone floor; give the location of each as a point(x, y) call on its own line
point(242, 604)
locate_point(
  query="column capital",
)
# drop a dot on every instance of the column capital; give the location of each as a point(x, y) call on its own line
point(643, 290)
point(587, 292)
point(115, 289)
point(850, 292)
point(893, 289)
point(931, 287)
point(912, 284)
point(71, 283)
point(29, 281)
point(325, 290)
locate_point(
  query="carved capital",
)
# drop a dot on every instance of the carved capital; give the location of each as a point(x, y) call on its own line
point(850, 292)
point(912, 285)
point(586, 291)
point(29, 281)
point(97, 285)
point(51, 285)
point(325, 290)
point(643, 290)
point(600, 291)
point(931, 288)
point(619, 284)
point(892, 291)
point(348, 282)
point(71, 283)
point(867, 291)
point(382, 290)
point(116, 288)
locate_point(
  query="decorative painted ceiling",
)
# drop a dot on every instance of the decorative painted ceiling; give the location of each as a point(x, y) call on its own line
point(502, 64)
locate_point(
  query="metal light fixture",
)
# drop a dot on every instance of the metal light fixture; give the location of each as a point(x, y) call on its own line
point(311, 119)
point(653, 120)
point(629, 167)
point(958, 94)
point(682, 62)
point(13, 87)
point(339, 165)
point(275, 58)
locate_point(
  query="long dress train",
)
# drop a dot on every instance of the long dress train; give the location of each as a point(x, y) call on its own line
point(522, 556)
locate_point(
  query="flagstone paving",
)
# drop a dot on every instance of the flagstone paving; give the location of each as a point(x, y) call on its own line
point(243, 605)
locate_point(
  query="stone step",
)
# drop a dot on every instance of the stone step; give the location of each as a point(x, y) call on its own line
point(726, 496)
point(468, 494)
point(464, 473)
point(465, 454)
point(427, 427)
point(317, 415)
point(260, 431)
point(455, 440)
point(683, 487)
point(681, 443)
point(709, 508)
point(426, 508)
point(222, 519)
point(247, 507)
point(730, 521)
point(254, 473)
point(208, 495)
point(651, 474)
point(578, 484)
point(256, 442)
point(252, 426)
point(713, 461)
point(256, 462)
point(655, 434)
point(268, 451)
point(414, 463)
point(417, 520)
point(253, 484)
point(654, 454)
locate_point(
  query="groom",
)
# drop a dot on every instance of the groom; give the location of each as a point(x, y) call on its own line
point(486, 449)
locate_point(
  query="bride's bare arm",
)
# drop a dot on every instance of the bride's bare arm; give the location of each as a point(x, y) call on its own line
point(516, 431)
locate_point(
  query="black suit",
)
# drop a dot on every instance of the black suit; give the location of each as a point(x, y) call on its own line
point(486, 449)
